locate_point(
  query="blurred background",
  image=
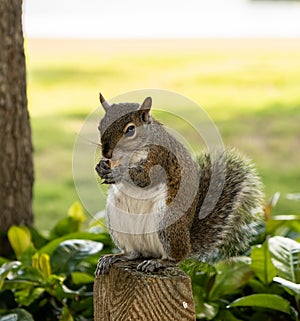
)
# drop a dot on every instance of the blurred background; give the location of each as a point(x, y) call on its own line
point(237, 59)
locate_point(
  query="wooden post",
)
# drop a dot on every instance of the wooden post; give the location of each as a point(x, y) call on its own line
point(126, 294)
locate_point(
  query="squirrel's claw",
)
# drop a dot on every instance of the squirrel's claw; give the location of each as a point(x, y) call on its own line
point(102, 266)
point(107, 182)
point(102, 167)
point(110, 175)
point(105, 263)
point(150, 265)
point(104, 171)
point(153, 265)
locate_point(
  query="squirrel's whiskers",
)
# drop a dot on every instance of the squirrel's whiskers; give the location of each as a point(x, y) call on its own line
point(89, 142)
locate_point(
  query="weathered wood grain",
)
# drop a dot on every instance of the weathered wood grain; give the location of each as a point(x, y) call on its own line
point(127, 294)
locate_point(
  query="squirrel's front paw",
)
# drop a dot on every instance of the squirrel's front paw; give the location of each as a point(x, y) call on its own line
point(104, 171)
point(108, 174)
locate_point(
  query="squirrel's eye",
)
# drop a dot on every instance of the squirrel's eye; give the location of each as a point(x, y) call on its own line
point(130, 131)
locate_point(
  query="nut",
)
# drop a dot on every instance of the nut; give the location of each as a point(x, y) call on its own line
point(114, 163)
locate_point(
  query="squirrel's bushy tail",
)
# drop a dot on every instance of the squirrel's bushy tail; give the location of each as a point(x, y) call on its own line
point(230, 209)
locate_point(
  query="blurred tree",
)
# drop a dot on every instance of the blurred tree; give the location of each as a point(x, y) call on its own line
point(16, 166)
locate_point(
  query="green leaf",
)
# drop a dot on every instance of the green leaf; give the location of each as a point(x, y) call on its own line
point(51, 246)
point(81, 278)
point(208, 311)
point(64, 226)
point(3, 260)
point(225, 315)
point(285, 255)
point(66, 256)
point(41, 262)
point(286, 218)
point(269, 301)
point(76, 212)
point(257, 286)
point(84, 306)
point(261, 263)
point(28, 295)
point(26, 257)
point(44, 261)
point(27, 273)
point(283, 224)
point(5, 269)
point(291, 287)
point(70, 224)
point(231, 275)
point(17, 315)
point(37, 238)
point(19, 238)
point(66, 315)
point(56, 288)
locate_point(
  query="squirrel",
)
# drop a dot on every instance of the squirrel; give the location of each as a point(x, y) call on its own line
point(162, 205)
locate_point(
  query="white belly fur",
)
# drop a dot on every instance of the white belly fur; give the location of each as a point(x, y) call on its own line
point(133, 232)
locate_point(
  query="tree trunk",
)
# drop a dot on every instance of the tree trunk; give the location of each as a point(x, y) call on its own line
point(16, 166)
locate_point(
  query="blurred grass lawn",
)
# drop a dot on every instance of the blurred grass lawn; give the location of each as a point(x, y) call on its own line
point(250, 88)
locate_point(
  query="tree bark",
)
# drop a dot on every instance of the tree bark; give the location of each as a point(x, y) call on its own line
point(126, 294)
point(16, 165)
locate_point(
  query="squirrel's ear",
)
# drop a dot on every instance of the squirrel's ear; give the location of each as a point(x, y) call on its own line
point(146, 105)
point(145, 108)
point(103, 102)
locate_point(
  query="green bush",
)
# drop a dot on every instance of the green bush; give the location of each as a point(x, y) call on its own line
point(264, 285)
point(52, 278)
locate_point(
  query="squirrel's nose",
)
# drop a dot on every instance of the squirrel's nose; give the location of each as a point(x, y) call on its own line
point(108, 155)
point(107, 152)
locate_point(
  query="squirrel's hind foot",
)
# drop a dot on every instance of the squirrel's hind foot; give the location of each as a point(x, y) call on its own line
point(105, 263)
point(154, 265)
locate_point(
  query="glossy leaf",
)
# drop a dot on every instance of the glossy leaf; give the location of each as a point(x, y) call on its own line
point(51, 246)
point(285, 255)
point(208, 311)
point(225, 315)
point(19, 238)
point(291, 287)
point(3, 260)
point(42, 262)
point(231, 276)
point(261, 263)
point(283, 224)
point(26, 257)
point(37, 238)
point(66, 315)
point(5, 269)
point(27, 273)
point(64, 226)
point(28, 295)
point(76, 212)
point(17, 315)
point(270, 301)
point(56, 288)
point(84, 304)
point(69, 253)
point(204, 310)
point(70, 224)
point(81, 278)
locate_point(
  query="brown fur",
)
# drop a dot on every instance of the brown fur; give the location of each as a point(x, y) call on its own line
point(227, 229)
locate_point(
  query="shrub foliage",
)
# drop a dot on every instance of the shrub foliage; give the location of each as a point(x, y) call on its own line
point(51, 278)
